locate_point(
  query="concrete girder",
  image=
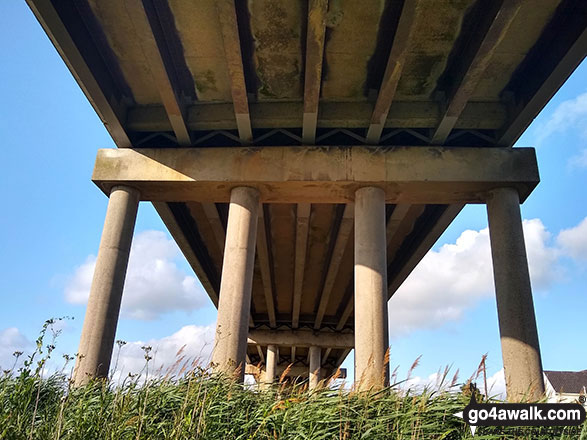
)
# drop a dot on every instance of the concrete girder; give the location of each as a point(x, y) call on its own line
point(301, 338)
point(438, 175)
point(295, 371)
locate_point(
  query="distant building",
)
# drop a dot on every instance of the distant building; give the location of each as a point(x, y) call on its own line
point(566, 386)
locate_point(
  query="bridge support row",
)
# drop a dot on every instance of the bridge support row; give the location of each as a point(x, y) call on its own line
point(521, 353)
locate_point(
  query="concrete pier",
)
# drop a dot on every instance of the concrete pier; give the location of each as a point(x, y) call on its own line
point(515, 308)
point(315, 364)
point(235, 287)
point(271, 365)
point(371, 334)
point(99, 329)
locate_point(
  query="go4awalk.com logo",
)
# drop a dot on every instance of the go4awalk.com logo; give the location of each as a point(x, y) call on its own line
point(521, 414)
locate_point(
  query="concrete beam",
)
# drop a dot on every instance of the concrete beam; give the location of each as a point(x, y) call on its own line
point(540, 77)
point(302, 223)
point(394, 222)
point(234, 63)
point(470, 67)
point(402, 114)
point(263, 255)
point(438, 175)
point(301, 338)
point(344, 232)
point(207, 232)
point(295, 371)
point(147, 29)
point(393, 70)
point(316, 33)
point(211, 213)
point(326, 355)
point(343, 356)
point(400, 226)
point(346, 314)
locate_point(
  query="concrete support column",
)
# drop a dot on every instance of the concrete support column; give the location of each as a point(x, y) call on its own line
point(515, 308)
point(315, 366)
point(99, 329)
point(271, 365)
point(235, 286)
point(371, 335)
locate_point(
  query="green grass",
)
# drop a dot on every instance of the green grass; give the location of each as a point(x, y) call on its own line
point(200, 405)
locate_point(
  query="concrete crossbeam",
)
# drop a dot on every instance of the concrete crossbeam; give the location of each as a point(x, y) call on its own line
point(439, 175)
point(295, 371)
point(301, 338)
point(484, 115)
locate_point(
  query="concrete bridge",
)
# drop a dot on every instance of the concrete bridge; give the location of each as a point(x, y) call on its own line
point(305, 155)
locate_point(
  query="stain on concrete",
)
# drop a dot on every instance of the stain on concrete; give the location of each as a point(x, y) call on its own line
point(276, 27)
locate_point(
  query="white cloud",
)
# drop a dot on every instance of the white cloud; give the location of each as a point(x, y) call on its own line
point(449, 281)
point(417, 384)
point(496, 385)
point(191, 345)
point(11, 341)
point(154, 283)
point(573, 241)
point(579, 160)
point(542, 258)
point(440, 381)
point(569, 114)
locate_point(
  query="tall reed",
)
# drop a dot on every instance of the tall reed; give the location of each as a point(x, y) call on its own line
point(200, 405)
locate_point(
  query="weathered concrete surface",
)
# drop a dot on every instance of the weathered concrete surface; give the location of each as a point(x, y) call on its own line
point(237, 277)
point(371, 334)
point(301, 338)
point(315, 362)
point(99, 329)
point(276, 28)
point(515, 308)
point(319, 175)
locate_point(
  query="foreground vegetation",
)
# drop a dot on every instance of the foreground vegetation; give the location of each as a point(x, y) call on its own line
point(202, 406)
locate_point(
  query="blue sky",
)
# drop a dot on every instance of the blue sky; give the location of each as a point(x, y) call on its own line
point(52, 215)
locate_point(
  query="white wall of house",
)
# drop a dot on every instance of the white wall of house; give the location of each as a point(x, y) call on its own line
point(554, 397)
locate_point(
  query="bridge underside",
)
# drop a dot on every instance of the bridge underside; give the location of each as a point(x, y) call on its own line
point(306, 103)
